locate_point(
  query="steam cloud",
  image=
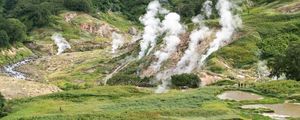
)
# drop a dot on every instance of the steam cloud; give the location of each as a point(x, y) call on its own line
point(189, 60)
point(60, 42)
point(152, 27)
point(207, 8)
point(173, 27)
point(229, 23)
point(117, 41)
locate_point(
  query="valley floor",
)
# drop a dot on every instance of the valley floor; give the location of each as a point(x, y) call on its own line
point(128, 102)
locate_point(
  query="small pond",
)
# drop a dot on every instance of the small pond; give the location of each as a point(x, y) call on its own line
point(281, 111)
point(239, 96)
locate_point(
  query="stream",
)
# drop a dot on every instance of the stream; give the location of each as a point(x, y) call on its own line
point(11, 71)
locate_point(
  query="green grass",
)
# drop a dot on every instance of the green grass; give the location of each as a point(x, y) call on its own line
point(12, 55)
point(124, 102)
point(117, 20)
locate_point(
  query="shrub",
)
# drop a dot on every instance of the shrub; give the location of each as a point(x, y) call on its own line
point(190, 80)
point(125, 79)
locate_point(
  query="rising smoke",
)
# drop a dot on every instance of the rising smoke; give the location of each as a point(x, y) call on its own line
point(117, 41)
point(173, 27)
point(152, 27)
point(229, 23)
point(60, 42)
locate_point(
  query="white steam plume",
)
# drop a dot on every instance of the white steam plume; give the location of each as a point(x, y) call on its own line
point(207, 8)
point(173, 27)
point(60, 42)
point(189, 60)
point(229, 23)
point(152, 27)
point(117, 41)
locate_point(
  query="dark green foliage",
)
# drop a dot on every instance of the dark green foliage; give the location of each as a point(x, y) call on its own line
point(78, 5)
point(224, 83)
point(107, 5)
point(189, 80)
point(289, 63)
point(128, 79)
point(10, 4)
point(32, 15)
point(280, 88)
point(276, 46)
point(133, 9)
point(4, 39)
point(2, 106)
point(15, 30)
point(187, 8)
point(1, 7)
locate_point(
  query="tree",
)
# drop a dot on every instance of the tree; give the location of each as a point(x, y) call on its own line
point(190, 80)
point(32, 15)
point(1, 6)
point(10, 4)
point(4, 39)
point(78, 5)
point(289, 63)
point(15, 29)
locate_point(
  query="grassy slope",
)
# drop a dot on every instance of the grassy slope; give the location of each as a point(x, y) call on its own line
point(260, 24)
point(14, 54)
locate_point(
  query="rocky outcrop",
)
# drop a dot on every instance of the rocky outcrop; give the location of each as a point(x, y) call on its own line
point(70, 16)
point(101, 30)
point(133, 31)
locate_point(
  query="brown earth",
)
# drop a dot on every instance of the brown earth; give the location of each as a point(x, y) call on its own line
point(12, 88)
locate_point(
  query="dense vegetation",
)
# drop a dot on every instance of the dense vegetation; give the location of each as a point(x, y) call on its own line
point(281, 88)
point(2, 106)
point(189, 80)
point(288, 63)
point(119, 103)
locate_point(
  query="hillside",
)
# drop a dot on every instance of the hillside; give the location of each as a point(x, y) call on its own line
point(161, 59)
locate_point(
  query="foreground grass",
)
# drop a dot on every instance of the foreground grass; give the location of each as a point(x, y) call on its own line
point(125, 102)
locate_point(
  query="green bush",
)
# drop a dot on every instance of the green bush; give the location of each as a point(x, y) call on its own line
point(126, 79)
point(189, 80)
